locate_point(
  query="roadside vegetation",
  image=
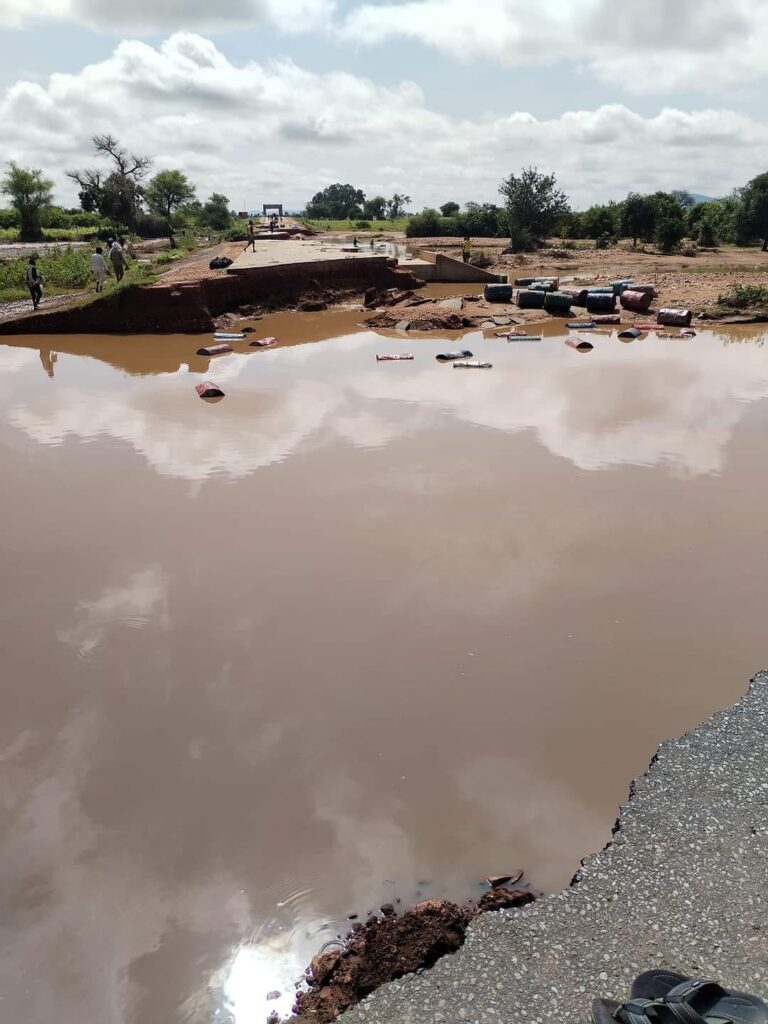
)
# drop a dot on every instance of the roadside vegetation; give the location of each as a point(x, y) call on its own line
point(742, 296)
point(119, 196)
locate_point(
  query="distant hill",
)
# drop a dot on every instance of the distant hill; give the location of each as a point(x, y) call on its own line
point(703, 199)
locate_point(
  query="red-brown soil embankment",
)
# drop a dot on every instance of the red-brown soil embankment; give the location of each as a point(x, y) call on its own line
point(192, 308)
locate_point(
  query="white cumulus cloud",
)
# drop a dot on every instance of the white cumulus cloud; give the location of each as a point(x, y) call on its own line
point(146, 17)
point(641, 46)
point(269, 132)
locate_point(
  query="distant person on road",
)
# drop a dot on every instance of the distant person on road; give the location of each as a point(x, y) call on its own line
point(99, 267)
point(35, 281)
point(125, 248)
point(466, 249)
point(118, 260)
point(272, 220)
point(251, 235)
point(355, 242)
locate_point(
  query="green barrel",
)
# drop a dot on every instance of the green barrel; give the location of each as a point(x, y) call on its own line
point(557, 304)
point(530, 299)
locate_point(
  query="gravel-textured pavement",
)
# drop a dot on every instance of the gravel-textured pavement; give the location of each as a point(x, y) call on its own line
point(684, 884)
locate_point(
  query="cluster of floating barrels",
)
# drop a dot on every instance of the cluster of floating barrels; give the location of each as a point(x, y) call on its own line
point(544, 293)
point(221, 347)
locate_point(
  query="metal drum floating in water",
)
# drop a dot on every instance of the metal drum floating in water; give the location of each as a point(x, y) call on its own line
point(630, 334)
point(447, 357)
point(394, 357)
point(209, 390)
point(214, 350)
point(674, 317)
point(263, 342)
point(639, 302)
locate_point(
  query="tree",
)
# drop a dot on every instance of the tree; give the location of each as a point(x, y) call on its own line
point(754, 197)
point(29, 193)
point(668, 220)
point(449, 209)
point(166, 193)
point(336, 202)
point(375, 209)
point(215, 213)
point(534, 206)
point(396, 205)
point(600, 221)
point(637, 218)
point(118, 194)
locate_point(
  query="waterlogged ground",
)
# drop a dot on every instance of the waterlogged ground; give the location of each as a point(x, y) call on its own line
point(356, 632)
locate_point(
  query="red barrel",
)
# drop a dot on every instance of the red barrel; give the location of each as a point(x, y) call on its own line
point(214, 350)
point(209, 390)
point(263, 342)
point(674, 317)
point(578, 296)
point(637, 301)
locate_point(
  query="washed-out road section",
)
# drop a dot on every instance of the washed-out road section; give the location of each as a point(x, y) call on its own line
point(683, 884)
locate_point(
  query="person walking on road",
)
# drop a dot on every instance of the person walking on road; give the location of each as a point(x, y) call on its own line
point(35, 281)
point(251, 234)
point(118, 261)
point(466, 249)
point(99, 267)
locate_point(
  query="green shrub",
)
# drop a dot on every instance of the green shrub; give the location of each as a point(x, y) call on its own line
point(706, 236)
point(480, 259)
point(363, 225)
point(743, 295)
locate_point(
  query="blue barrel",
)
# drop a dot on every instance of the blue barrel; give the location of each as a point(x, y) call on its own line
point(530, 300)
point(498, 293)
point(601, 302)
point(523, 282)
point(557, 304)
point(621, 285)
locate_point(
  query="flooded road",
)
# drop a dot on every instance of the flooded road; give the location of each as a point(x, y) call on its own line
point(355, 632)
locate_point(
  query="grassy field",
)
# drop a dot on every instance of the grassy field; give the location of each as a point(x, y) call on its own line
point(350, 226)
point(68, 270)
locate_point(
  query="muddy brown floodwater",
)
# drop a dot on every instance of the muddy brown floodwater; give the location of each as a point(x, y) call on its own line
point(355, 632)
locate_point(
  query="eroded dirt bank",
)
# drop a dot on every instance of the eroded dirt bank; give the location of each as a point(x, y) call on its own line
point(194, 307)
point(390, 946)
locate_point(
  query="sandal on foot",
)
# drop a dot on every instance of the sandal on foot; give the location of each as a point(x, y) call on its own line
point(637, 1011)
point(681, 1000)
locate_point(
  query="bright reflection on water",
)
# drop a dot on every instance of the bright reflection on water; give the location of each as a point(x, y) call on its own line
point(357, 632)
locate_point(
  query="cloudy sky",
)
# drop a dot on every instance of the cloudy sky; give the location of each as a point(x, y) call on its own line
point(270, 100)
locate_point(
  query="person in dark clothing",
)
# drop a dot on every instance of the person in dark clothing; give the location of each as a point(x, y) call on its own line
point(35, 281)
